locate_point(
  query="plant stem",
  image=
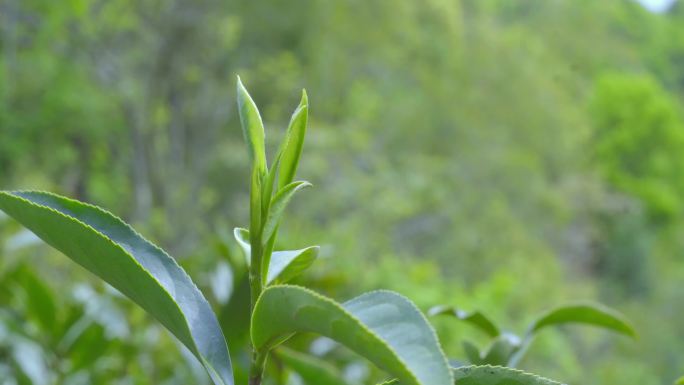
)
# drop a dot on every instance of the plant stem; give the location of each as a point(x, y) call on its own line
point(256, 285)
point(256, 368)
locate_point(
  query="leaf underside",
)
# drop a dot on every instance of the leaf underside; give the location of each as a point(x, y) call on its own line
point(382, 326)
point(112, 250)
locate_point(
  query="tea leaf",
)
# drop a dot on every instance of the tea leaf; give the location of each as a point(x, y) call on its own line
point(312, 370)
point(288, 264)
point(112, 250)
point(294, 141)
point(283, 265)
point(500, 351)
point(382, 326)
point(474, 318)
point(490, 375)
point(584, 313)
point(497, 375)
point(280, 201)
point(472, 353)
point(252, 128)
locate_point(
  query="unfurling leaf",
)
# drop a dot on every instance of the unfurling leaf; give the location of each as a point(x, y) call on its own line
point(384, 327)
point(252, 128)
point(294, 141)
point(474, 318)
point(112, 250)
point(283, 265)
point(280, 201)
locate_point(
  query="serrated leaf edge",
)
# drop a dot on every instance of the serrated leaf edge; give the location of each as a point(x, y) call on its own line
point(105, 212)
point(363, 326)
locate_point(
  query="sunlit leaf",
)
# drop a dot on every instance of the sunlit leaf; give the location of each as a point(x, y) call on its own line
point(283, 265)
point(382, 326)
point(474, 318)
point(252, 128)
point(286, 265)
point(112, 250)
point(294, 141)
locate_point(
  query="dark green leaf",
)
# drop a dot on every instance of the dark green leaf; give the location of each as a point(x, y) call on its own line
point(112, 250)
point(382, 326)
point(472, 353)
point(500, 350)
point(311, 369)
point(474, 318)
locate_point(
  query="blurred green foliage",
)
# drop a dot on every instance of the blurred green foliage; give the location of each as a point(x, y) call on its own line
point(496, 155)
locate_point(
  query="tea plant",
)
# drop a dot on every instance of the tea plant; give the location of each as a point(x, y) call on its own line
point(382, 326)
point(508, 349)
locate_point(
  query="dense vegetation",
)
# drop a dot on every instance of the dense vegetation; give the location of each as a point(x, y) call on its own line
point(498, 156)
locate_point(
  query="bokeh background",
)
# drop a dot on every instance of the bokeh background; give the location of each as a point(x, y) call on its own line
point(499, 155)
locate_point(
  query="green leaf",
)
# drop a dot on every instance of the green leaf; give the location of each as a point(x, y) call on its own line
point(382, 326)
point(283, 265)
point(500, 350)
point(497, 375)
point(312, 370)
point(279, 204)
point(242, 237)
point(252, 128)
point(491, 375)
point(294, 141)
point(288, 264)
point(112, 250)
point(584, 313)
point(680, 381)
point(474, 318)
point(267, 193)
point(38, 298)
point(472, 353)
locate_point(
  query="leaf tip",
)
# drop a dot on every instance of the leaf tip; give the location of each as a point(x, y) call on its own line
point(305, 99)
